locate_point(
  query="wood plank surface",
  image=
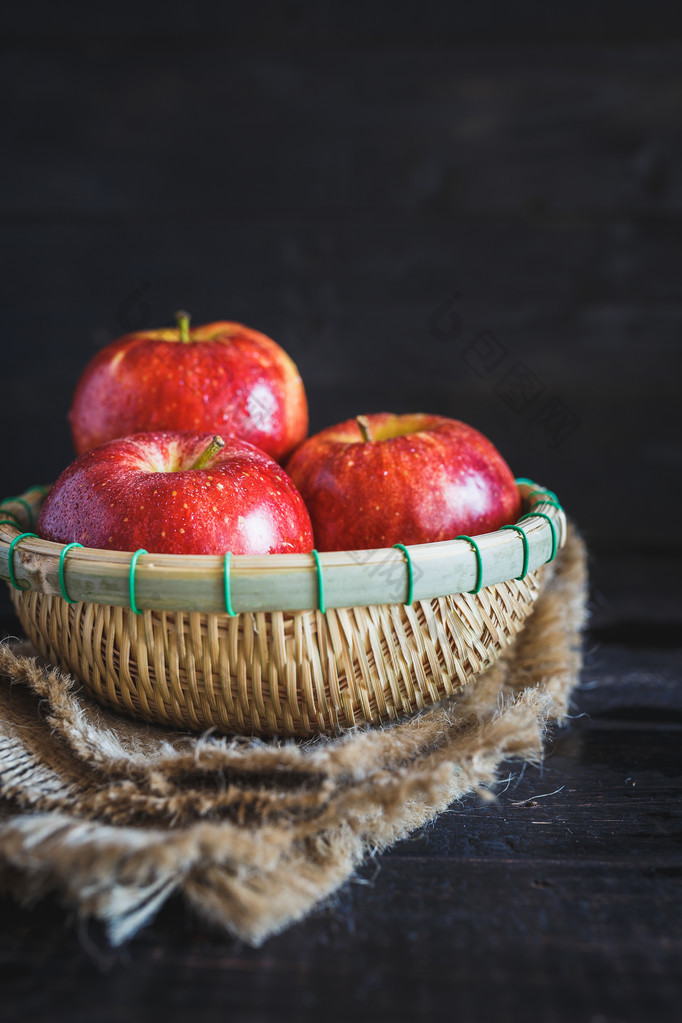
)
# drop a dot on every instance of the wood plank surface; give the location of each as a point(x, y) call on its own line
point(559, 901)
point(537, 906)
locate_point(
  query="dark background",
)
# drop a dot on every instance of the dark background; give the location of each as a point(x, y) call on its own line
point(332, 175)
point(470, 209)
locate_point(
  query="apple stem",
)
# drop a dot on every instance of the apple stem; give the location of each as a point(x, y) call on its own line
point(363, 425)
point(182, 318)
point(210, 452)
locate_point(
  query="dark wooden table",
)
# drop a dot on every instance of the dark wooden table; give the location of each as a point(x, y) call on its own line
point(561, 901)
point(469, 209)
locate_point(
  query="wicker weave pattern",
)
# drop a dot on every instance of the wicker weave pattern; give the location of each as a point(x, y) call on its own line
point(279, 673)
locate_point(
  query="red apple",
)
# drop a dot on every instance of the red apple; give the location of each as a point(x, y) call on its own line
point(177, 493)
point(384, 479)
point(221, 377)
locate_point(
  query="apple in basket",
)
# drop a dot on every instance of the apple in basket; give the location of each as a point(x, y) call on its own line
point(383, 479)
point(177, 493)
point(221, 377)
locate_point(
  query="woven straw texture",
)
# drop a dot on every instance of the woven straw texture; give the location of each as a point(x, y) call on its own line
point(279, 673)
point(116, 815)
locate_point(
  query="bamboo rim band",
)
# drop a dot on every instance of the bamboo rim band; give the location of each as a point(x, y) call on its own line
point(107, 577)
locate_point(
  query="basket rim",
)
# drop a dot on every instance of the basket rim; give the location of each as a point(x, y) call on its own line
point(276, 582)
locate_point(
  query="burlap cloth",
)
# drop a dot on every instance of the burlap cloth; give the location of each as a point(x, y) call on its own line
point(116, 815)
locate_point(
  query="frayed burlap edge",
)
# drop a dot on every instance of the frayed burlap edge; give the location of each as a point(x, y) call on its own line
point(117, 815)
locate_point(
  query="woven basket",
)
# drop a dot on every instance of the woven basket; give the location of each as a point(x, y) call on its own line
point(150, 636)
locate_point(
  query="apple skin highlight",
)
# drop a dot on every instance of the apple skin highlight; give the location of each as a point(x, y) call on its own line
point(420, 479)
point(141, 491)
point(228, 378)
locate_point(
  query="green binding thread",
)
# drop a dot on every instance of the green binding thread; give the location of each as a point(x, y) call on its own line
point(534, 498)
point(62, 585)
point(525, 482)
point(10, 561)
point(228, 589)
point(542, 496)
point(131, 580)
point(526, 550)
point(38, 486)
point(546, 500)
point(19, 500)
point(410, 573)
point(8, 522)
point(541, 515)
point(320, 582)
point(479, 563)
point(543, 490)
